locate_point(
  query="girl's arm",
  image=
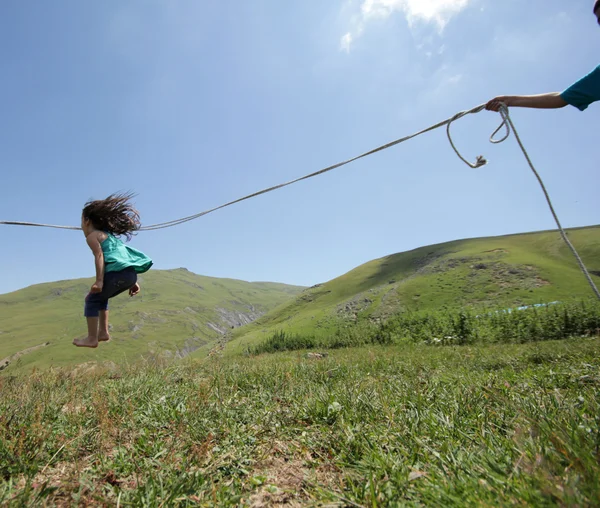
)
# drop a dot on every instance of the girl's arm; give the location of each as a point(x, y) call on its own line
point(93, 242)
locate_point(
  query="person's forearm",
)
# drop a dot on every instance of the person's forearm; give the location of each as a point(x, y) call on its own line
point(544, 101)
point(99, 262)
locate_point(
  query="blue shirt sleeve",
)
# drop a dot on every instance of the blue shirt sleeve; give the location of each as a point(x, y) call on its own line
point(585, 91)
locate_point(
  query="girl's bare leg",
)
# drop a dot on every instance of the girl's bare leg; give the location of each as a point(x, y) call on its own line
point(103, 335)
point(92, 339)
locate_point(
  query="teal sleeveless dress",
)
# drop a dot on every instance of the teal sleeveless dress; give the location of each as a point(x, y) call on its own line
point(118, 256)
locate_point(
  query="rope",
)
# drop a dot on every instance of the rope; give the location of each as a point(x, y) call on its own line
point(507, 120)
point(480, 162)
point(35, 224)
point(507, 123)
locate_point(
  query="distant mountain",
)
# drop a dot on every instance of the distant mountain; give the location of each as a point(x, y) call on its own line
point(176, 313)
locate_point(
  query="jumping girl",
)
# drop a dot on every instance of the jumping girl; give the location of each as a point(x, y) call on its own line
point(117, 264)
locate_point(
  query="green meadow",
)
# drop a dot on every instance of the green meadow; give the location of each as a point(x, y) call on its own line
point(410, 425)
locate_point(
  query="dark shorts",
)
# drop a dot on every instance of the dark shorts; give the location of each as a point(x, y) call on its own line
point(115, 283)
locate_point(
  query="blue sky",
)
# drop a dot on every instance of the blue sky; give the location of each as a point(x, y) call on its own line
point(191, 104)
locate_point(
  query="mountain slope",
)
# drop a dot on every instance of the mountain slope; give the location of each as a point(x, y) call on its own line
point(177, 312)
point(510, 270)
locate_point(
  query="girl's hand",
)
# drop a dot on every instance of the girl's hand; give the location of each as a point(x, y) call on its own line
point(134, 290)
point(97, 287)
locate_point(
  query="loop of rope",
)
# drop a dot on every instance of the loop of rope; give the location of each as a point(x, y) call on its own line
point(507, 123)
point(481, 161)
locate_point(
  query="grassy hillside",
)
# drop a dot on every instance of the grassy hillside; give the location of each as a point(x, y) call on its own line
point(502, 425)
point(177, 312)
point(500, 271)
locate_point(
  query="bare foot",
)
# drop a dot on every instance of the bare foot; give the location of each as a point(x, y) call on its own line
point(103, 338)
point(87, 342)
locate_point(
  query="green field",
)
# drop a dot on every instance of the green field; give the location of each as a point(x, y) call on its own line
point(498, 272)
point(417, 425)
point(176, 313)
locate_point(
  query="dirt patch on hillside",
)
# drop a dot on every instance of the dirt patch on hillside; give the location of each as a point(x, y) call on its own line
point(477, 277)
point(496, 251)
point(9, 359)
point(352, 308)
point(289, 476)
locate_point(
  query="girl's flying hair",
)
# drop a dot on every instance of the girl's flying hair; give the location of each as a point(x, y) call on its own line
point(115, 215)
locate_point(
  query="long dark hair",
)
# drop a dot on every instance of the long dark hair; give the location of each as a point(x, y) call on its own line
point(115, 214)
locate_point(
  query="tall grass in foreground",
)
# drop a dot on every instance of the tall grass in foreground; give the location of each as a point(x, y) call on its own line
point(484, 425)
point(458, 327)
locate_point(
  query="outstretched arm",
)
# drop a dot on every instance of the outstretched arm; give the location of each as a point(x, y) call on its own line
point(544, 101)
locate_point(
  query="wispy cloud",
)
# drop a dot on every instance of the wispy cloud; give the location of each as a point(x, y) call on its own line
point(438, 12)
point(346, 42)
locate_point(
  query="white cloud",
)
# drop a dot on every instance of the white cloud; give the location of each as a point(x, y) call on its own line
point(455, 79)
point(438, 12)
point(346, 42)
